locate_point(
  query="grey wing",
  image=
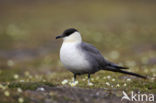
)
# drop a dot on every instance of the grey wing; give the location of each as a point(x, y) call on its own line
point(93, 56)
point(97, 60)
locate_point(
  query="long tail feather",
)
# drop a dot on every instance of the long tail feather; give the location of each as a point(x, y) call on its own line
point(120, 67)
point(126, 72)
point(115, 66)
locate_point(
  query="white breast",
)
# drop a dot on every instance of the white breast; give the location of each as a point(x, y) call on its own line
point(73, 59)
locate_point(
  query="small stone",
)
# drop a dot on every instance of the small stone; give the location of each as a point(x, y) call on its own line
point(73, 84)
point(64, 82)
point(90, 84)
point(7, 93)
point(107, 83)
point(16, 76)
point(20, 100)
point(108, 76)
point(19, 90)
point(113, 79)
point(40, 89)
point(125, 85)
point(22, 81)
point(128, 79)
point(118, 85)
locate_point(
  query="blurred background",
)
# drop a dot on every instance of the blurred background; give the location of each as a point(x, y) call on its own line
point(28, 28)
point(124, 31)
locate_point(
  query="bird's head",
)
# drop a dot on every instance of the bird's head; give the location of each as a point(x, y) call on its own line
point(70, 35)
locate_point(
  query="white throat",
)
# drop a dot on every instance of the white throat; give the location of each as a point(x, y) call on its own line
point(74, 37)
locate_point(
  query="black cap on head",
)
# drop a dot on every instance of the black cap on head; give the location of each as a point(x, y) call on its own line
point(67, 33)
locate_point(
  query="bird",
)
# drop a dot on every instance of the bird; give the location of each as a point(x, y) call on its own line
point(83, 58)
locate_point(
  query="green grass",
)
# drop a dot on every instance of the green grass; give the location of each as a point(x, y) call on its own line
point(29, 85)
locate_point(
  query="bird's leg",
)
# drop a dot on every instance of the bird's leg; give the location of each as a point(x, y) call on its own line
point(89, 83)
point(74, 77)
point(88, 78)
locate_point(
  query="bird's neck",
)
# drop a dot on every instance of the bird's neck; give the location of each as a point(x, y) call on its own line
point(73, 38)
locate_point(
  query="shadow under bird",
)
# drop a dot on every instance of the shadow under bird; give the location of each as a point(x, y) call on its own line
point(83, 58)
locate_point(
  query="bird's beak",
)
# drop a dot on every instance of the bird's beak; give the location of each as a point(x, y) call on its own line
point(58, 37)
